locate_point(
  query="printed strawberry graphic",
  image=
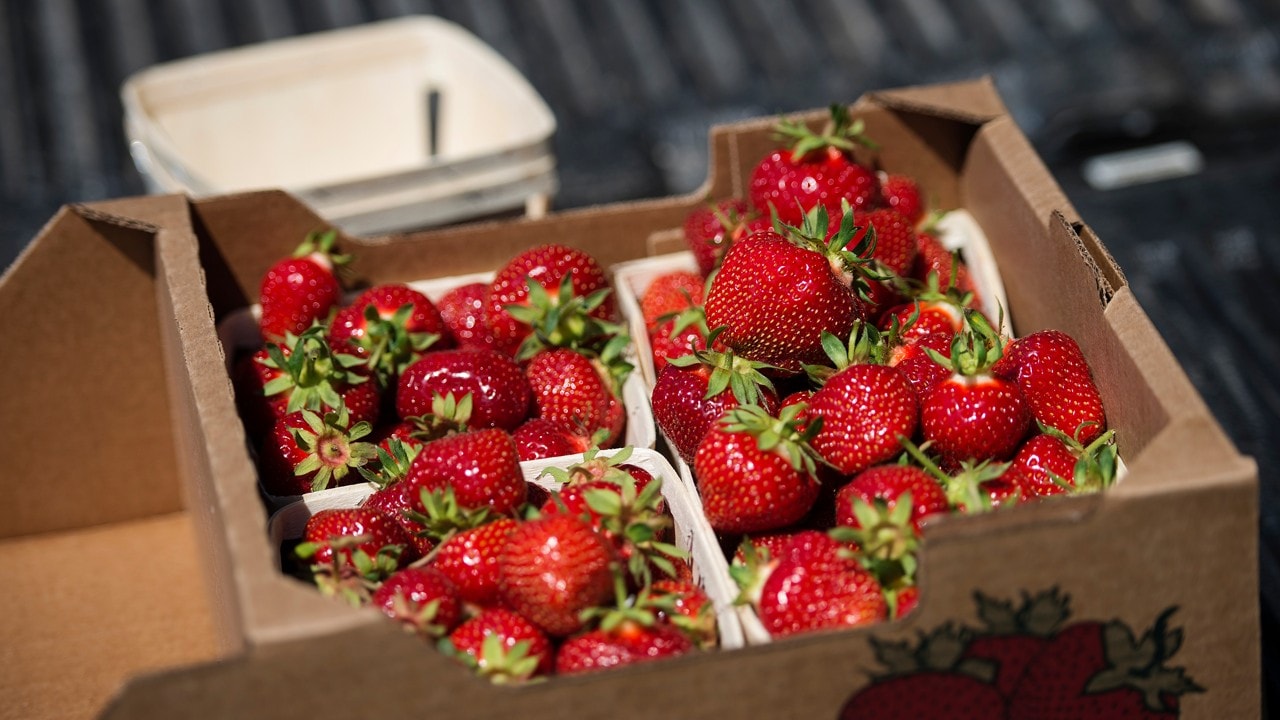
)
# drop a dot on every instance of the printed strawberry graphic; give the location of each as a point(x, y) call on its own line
point(930, 681)
point(300, 290)
point(1102, 670)
point(814, 169)
point(1012, 637)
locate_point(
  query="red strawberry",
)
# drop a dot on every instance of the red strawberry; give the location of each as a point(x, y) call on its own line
point(689, 609)
point(482, 468)
point(569, 389)
point(421, 598)
point(462, 311)
point(626, 643)
point(503, 646)
point(300, 290)
point(903, 601)
point(553, 568)
point(470, 560)
point(1013, 637)
point(974, 414)
point(1054, 464)
point(912, 359)
point(306, 452)
point(902, 193)
point(672, 338)
point(540, 438)
point(1055, 377)
point(755, 472)
point(974, 487)
point(775, 297)
point(390, 326)
point(814, 170)
point(670, 293)
point(922, 317)
point(395, 500)
point(889, 483)
point(933, 258)
point(817, 586)
point(931, 681)
point(895, 245)
point(547, 266)
point(709, 230)
point(694, 392)
point(1100, 670)
point(499, 392)
point(351, 532)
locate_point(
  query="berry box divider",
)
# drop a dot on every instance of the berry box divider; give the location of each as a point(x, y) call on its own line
point(238, 333)
point(692, 533)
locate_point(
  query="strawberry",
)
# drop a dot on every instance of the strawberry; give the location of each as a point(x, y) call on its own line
point(1055, 464)
point(499, 392)
point(974, 414)
point(1013, 637)
point(547, 266)
point(300, 290)
point(470, 560)
point(817, 586)
point(688, 608)
point(502, 646)
point(774, 297)
point(933, 258)
point(912, 358)
point(540, 438)
point(394, 500)
point(553, 568)
point(625, 643)
point(570, 389)
point(1054, 376)
point(814, 170)
point(462, 312)
point(423, 599)
point(481, 467)
point(902, 193)
point(755, 472)
point(890, 483)
point(864, 406)
point(696, 390)
point(973, 486)
point(670, 293)
point(895, 240)
point(677, 337)
point(354, 549)
point(1101, 670)
point(933, 680)
point(710, 228)
point(389, 326)
point(307, 453)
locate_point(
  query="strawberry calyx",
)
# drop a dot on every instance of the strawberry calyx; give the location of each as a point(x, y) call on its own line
point(563, 321)
point(853, 265)
point(788, 435)
point(594, 466)
point(942, 650)
point(331, 446)
point(966, 489)
point(420, 618)
point(975, 349)
point(390, 345)
point(866, 346)
point(394, 456)
point(1139, 663)
point(309, 371)
point(885, 539)
point(729, 371)
point(1096, 464)
point(442, 517)
point(496, 662)
point(751, 567)
point(841, 134)
point(449, 416)
point(351, 576)
point(1040, 615)
point(317, 247)
point(630, 611)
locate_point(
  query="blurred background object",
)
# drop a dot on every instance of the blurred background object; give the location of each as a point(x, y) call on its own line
point(1160, 118)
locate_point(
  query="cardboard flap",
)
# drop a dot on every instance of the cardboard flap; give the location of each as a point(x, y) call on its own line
point(972, 101)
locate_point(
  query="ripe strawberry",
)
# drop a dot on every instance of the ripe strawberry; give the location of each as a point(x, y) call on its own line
point(902, 193)
point(895, 240)
point(569, 389)
point(482, 468)
point(889, 483)
point(814, 170)
point(470, 560)
point(462, 311)
point(390, 326)
point(553, 568)
point(502, 646)
point(912, 358)
point(499, 392)
point(546, 266)
point(1013, 637)
point(625, 643)
point(755, 472)
point(1100, 670)
point(307, 453)
point(688, 608)
point(349, 532)
point(677, 337)
point(933, 258)
point(974, 487)
point(929, 681)
point(775, 297)
point(711, 228)
point(975, 414)
point(301, 289)
point(817, 586)
point(1055, 377)
point(540, 438)
point(394, 500)
point(670, 293)
point(1055, 464)
point(422, 599)
point(694, 392)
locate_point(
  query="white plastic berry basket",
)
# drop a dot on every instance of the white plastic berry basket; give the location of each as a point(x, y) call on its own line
point(239, 333)
point(692, 533)
point(381, 127)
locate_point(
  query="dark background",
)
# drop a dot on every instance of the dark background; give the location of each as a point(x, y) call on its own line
point(635, 84)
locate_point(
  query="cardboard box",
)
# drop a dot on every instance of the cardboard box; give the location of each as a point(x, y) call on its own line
point(1180, 531)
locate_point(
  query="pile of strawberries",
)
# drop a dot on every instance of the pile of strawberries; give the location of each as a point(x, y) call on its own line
point(527, 366)
point(833, 383)
point(578, 579)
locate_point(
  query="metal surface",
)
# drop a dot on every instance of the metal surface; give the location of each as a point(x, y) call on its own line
point(636, 83)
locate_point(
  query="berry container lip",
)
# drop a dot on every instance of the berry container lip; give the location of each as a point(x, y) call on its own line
point(692, 533)
point(238, 333)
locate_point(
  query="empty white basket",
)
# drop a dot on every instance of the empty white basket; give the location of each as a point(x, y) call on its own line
point(382, 127)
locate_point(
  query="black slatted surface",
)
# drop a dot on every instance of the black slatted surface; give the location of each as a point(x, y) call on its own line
point(636, 83)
